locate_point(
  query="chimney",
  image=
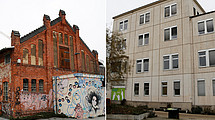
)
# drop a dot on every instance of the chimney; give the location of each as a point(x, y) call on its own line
point(46, 21)
point(62, 14)
point(15, 38)
point(76, 28)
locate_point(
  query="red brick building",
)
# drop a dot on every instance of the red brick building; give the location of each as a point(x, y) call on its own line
point(28, 66)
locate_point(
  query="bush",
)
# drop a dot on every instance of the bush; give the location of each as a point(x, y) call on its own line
point(123, 102)
point(196, 110)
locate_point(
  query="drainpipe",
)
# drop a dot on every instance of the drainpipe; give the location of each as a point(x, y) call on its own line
point(56, 94)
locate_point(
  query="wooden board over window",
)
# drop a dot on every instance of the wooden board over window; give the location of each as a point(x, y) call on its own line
point(64, 58)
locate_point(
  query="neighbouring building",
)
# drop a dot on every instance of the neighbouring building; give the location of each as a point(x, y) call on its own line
point(28, 66)
point(171, 50)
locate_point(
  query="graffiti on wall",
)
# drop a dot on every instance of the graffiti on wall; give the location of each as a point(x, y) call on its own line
point(5, 72)
point(80, 96)
point(35, 101)
point(6, 108)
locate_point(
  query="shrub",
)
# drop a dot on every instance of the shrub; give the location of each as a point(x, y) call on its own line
point(196, 110)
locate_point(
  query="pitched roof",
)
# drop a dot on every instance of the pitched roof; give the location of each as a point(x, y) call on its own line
point(42, 28)
point(6, 48)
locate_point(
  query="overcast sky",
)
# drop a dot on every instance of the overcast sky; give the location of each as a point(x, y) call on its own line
point(27, 15)
point(116, 7)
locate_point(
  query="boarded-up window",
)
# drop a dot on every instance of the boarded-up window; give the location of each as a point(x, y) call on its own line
point(55, 49)
point(72, 52)
point(83, 60)
point(40, 52)
point(66, 39)
point(33, 85)
point(33, 54)
point(25, 85)
point(88, 63)
point(40, 85)
point(64, 58)
point(25, 56)
point(60, 38)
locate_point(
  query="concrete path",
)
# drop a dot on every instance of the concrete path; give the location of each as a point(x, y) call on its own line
point(182, 116)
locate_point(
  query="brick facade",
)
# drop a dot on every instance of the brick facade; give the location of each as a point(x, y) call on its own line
point(38, 56)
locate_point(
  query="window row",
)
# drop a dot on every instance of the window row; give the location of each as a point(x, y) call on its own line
point(176, 88)
point(201, 87)
point(25, 57)
point(169, 62)
point(33, 84)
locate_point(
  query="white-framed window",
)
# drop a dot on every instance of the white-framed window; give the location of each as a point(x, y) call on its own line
point(177, 87)
point(206, 58)
point(201, 87)
point(123, 25)
point(146, 89)
point(124, 44)
point(136, 88)
point(205, 26)
point(164, 88)
point(170, 33)
point(143, 39)
point(145, 18)
point(170, 61)
point(213, 83)
point(170, 10)
point(142, 65)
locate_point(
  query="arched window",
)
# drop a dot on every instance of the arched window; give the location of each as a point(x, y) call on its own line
point(41, 82)
point(25, 56)
point(33, 54)
point(25, 85)
point(33, 85)
point(55, 49)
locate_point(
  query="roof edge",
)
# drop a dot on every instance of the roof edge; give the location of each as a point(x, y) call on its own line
point(131, 11)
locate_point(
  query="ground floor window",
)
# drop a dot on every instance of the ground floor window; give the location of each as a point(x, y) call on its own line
point(5, 92)
point(40, 85)
point(177, 88)
point(136, 88)
point(33, 85)
point(146, 89)
point(164, 88)
point(25, 85)
point(201, 87)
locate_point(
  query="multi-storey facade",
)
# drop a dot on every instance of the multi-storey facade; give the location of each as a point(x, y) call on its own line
point(170, 44)
point(27, 68)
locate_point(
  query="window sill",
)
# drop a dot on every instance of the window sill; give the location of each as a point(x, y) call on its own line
point(136, 95)
point(171, 69)
point(206, 33)
point(142, 72)
point(163, 95)
point(146, 95)
point(144, 23)
point(171, 39)
point(177, 96)
point(143, 45)
point(170, 16)
point(201, 67)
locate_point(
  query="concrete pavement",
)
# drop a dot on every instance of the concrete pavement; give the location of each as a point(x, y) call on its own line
point(55, 118)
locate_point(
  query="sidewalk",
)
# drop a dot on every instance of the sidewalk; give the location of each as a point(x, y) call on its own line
point(96, 118)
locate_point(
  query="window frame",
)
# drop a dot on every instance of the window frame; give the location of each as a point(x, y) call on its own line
point(25, 90)
point(144, 39)
point(213, 86)
point(179, 87)
point(207, 57)
point(162, 86)
point(33, 88)
point(144, 18)
point(170, 10)
point(5, 91)
point(198, 87)
point(171, 61)
point(5, 58)
point(205, 26)
point(138, 89)
point(142, 65)
point(123, 25)
point(170, 33)
point(144, 89)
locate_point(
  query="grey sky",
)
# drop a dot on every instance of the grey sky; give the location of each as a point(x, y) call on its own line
point(27, 15)
point(116, 7)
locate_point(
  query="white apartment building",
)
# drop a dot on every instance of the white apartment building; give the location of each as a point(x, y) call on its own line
point(171, 49)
